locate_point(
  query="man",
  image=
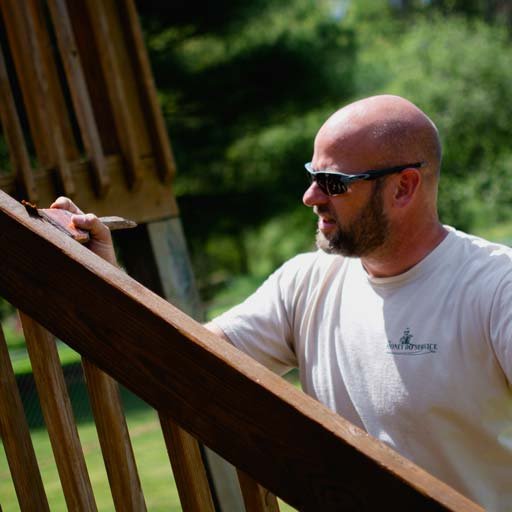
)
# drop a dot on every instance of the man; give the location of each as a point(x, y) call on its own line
point(400, 324)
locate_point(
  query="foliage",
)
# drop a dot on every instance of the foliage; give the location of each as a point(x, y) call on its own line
point(243, 95)
point(462, 78)
point(245, 86)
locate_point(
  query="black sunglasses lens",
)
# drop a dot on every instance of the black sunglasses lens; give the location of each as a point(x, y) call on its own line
point(334, 184)
point(330, 184)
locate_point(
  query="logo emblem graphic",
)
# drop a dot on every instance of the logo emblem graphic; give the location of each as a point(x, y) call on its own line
point(406, 348)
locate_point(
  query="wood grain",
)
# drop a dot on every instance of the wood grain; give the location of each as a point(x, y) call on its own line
point(16, 439)
point(250, 416)
point(188, 468)
point(256, 497)
point(153, 200)
point(18, 152)
point(114, 440)
point(121, 85)
point(58, 416)
point(37, 76)
point(140, 261)
point(147, 91)
point(79, 93)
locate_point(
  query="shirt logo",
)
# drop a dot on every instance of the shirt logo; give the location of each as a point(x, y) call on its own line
point(406, 348)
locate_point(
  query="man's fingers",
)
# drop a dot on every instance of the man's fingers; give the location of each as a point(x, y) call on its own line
point(101, 239)
point(90, 222)
point(64, 203)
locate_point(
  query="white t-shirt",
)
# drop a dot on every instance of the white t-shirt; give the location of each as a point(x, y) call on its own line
point(421, 361)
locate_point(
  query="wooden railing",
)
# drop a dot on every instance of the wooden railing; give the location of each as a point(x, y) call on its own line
point(79, 109)
point(275, 434)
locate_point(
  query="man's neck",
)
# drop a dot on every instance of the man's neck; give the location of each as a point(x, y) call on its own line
point(404, 251)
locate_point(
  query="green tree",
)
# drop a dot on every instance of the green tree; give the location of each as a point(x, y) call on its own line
point(460, 72)
point(244, 87)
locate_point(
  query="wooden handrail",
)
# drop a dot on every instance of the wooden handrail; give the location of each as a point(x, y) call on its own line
point(293, 445)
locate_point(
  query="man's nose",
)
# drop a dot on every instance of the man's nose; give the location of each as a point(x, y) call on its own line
point(314, 195)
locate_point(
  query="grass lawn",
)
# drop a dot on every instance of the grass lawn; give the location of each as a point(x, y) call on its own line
point(150, 453)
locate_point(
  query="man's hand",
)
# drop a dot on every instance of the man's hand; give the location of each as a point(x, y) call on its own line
point(101, 239)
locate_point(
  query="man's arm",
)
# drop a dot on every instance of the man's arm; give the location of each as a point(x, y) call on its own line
point(217, 330)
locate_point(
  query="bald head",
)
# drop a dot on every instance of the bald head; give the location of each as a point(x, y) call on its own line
point(381, 131)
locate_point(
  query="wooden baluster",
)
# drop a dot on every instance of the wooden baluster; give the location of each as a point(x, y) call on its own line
point(58, 416)
point(18, 152)
point(188, 468)
point(256, 497)
point(16, 439)
point(37, 75)
point(165, 160)
point(120, 81)
point(79, 92)
point(114, 440)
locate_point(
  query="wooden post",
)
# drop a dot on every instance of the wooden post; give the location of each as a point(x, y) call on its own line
point(114, 440)
point(16, 438)
point(256, 498)
point(58, 416)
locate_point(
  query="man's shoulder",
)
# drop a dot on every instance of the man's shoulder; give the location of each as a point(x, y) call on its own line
point(480, 254)
point(480, 246)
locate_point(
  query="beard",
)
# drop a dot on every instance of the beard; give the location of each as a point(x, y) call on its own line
point(365, 234)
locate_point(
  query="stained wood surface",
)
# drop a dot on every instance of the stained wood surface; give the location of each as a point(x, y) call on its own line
point(58, 416)
point(79, 92)
point(18, 152)
point(36, 70)
point(153, 200)
point(114, 440)
point(293, 445)
point(121, 85)
point(140, 261)
point(188, 468)
point(16, 439)
point(147, 91)
point(92, 51)
point(256, 497)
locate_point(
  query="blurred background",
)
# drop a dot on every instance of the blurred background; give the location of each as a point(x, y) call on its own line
point(244, 87)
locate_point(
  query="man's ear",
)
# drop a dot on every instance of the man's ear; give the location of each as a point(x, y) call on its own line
point(406, 187)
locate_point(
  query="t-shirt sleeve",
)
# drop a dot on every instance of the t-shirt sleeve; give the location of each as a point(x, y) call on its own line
point(501, 326)
point(261, 326)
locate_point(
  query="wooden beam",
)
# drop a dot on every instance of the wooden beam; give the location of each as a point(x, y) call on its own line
point(58, 416)
point(156, 125)
point(256, 498)
point(120, 81)
point(18, 152)
point(188, 468)
point(79, 93)
point(37, 75)
point(293, 445)
point(153, 200)
point(16, 439)
point(114, 440)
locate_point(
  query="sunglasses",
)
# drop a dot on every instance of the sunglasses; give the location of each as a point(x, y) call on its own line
point(334, 183)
